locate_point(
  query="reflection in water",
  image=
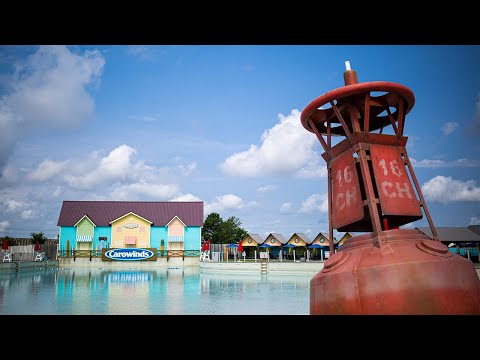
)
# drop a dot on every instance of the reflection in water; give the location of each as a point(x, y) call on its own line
point(158, 291)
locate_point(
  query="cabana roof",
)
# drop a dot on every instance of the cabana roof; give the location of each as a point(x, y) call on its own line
point(452, 234)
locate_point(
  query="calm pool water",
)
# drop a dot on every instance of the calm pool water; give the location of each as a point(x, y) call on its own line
point(151, 292)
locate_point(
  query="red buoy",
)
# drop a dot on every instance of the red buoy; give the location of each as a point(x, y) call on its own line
point(372, 188)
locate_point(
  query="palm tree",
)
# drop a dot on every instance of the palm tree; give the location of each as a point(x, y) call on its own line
point(40, 237)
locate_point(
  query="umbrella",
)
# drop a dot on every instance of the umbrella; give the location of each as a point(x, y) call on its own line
point(264, 246)
point(5, 245)
point(315, 246)
point(37, 246)
point(208, 244)
point(290, 245)
point(234, 254)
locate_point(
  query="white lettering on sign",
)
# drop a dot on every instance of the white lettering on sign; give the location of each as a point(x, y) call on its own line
point(387, 184)
point(348, 199)
point(400, 190)
point(406, 190)
point(393, 166)
point(347, 175)
point(396, 191)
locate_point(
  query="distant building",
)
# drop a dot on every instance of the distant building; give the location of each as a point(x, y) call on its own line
point(276, 241)
point(299, 239)
point(252, 240)
point(91, 225)
point(474, 228)
point(321, 239)
point(345, 236)
point(448, 235)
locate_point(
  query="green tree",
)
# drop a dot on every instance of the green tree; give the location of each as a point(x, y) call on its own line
point(222, 232)
point(10, 241)
point(211, 227)
point(40, 237)
point(232, 230)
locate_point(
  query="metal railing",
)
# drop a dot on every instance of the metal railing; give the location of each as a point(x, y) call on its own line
point(98, 254)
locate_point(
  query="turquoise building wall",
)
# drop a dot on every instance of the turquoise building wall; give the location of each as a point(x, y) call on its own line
point(156, 234)
point(67, 233)
point(192, 237)
point(102, 231)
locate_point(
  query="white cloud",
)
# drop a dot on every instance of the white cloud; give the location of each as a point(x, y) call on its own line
point(124, 174)
point(426, 163)
point(445, 189)
point(187, 169)
point(27, 214)
point(185, 197)
point(13, 205)
point(4, 225)
point(141, 191)
point(284, 148)
point(315, 202)
point(117, 166)
point(449, 128)
point(474, 221)
point(58, 190)
point(264, 189)
point(316, 168)
point(9, 175)
point(49, 90)
point(142, 52)
point(226, 202)
point(46, 170)
point(286, 207)
point(308, 232)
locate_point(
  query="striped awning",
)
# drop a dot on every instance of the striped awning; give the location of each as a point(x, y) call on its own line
point(130, 240)
point(84, 238)
point(175, 239)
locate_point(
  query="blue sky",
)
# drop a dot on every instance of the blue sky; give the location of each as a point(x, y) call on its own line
point(219, 124)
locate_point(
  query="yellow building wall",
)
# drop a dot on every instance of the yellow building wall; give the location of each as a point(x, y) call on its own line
point(319, 242)
point(246, 243)
point(119, 231)
point(344, 237)
point(299, 243)
point(84, 245)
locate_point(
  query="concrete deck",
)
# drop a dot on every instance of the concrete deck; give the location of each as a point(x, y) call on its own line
point(27, 265)
point(273, 267)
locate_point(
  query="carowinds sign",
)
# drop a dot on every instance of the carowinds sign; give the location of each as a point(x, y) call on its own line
point(129, 254)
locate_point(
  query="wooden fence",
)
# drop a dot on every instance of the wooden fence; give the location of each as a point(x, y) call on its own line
point(27, 252)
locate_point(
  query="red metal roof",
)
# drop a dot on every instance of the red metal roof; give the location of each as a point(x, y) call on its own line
point(159, 212)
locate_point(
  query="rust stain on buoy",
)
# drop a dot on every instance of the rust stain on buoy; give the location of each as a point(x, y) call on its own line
point(372, 188)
